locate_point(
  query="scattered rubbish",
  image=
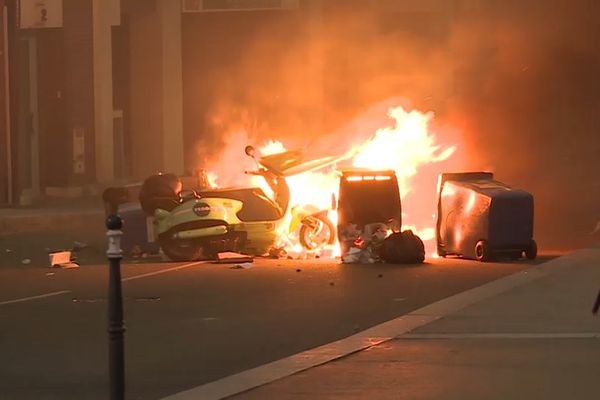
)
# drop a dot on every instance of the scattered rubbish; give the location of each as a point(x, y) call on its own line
point(59, 257)
point(26, 261)
point(67, 265)
point(155, 298)
point(8, 250)
point(363, 245)
point(277, 252)
point(242, 266)
point(62, 259)
point(49, 273)
point(91, 300)
point(231, 257)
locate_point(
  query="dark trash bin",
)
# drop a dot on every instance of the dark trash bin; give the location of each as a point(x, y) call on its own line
point(481, 218)
point(369, 210)
point(138, 233)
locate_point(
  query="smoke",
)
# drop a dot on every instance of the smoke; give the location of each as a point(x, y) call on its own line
point(527, 100)
point(514, 84)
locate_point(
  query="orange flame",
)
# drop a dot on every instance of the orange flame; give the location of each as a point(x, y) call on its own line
point(405, 147)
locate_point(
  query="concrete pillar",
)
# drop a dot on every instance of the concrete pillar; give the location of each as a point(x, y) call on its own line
point(156, 88)
point(5, 138)
point(172, 90)
point(103, 19)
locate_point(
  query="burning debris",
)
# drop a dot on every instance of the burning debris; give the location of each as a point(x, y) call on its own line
point(290, 207)
point(362, 246)
point(404, 147)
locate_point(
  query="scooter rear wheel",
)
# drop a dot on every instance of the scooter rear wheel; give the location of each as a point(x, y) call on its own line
point(184, 250)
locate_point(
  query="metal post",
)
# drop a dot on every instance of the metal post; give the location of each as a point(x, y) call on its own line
point(116, 329)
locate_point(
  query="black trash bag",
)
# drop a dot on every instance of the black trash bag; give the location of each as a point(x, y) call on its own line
point(160, 191)
point(403, 248)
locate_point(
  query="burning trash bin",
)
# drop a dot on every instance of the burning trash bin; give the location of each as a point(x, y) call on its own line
point(370, 219)
point(480, 218)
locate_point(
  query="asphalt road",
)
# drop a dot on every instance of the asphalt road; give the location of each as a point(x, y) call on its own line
point(190, 326)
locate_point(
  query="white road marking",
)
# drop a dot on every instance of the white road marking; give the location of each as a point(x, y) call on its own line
point(255, 377)
point(162, 271)
point(41, 296)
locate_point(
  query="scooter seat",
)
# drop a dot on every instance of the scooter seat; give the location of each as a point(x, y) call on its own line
point(256, 205)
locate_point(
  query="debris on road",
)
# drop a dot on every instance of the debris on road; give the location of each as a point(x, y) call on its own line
point(231, 257)
point(277, 252)
point(242, 266)
point(26, 261)
point(150, 298)
point(91, 300)
point(363, 245)
point(62, 259)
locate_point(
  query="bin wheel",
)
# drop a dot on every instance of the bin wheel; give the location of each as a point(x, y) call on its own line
point(531, 251)
point(442, 253)
point(482, 251)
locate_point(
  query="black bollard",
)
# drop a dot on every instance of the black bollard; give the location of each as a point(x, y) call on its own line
point(596, 305)
point(116, 330)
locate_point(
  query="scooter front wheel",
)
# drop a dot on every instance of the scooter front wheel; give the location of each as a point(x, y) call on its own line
point(318, 234)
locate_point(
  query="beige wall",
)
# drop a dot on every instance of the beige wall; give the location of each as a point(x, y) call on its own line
point(3, 117)
point(146, 93)
point(155, 70)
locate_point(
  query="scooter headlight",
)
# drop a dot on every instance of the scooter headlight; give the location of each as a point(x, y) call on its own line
point(201, 209)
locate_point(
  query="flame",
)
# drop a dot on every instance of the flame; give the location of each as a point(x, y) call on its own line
point(403, 147)
point(406, 146)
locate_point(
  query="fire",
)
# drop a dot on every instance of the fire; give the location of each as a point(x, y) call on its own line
point(403, 147)
point(406, 146)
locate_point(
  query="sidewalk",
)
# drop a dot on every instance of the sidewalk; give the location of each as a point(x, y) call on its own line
point(27, 233)
point(527, 336)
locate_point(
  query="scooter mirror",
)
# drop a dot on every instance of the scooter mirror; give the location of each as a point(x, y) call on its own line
point(250, 151)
